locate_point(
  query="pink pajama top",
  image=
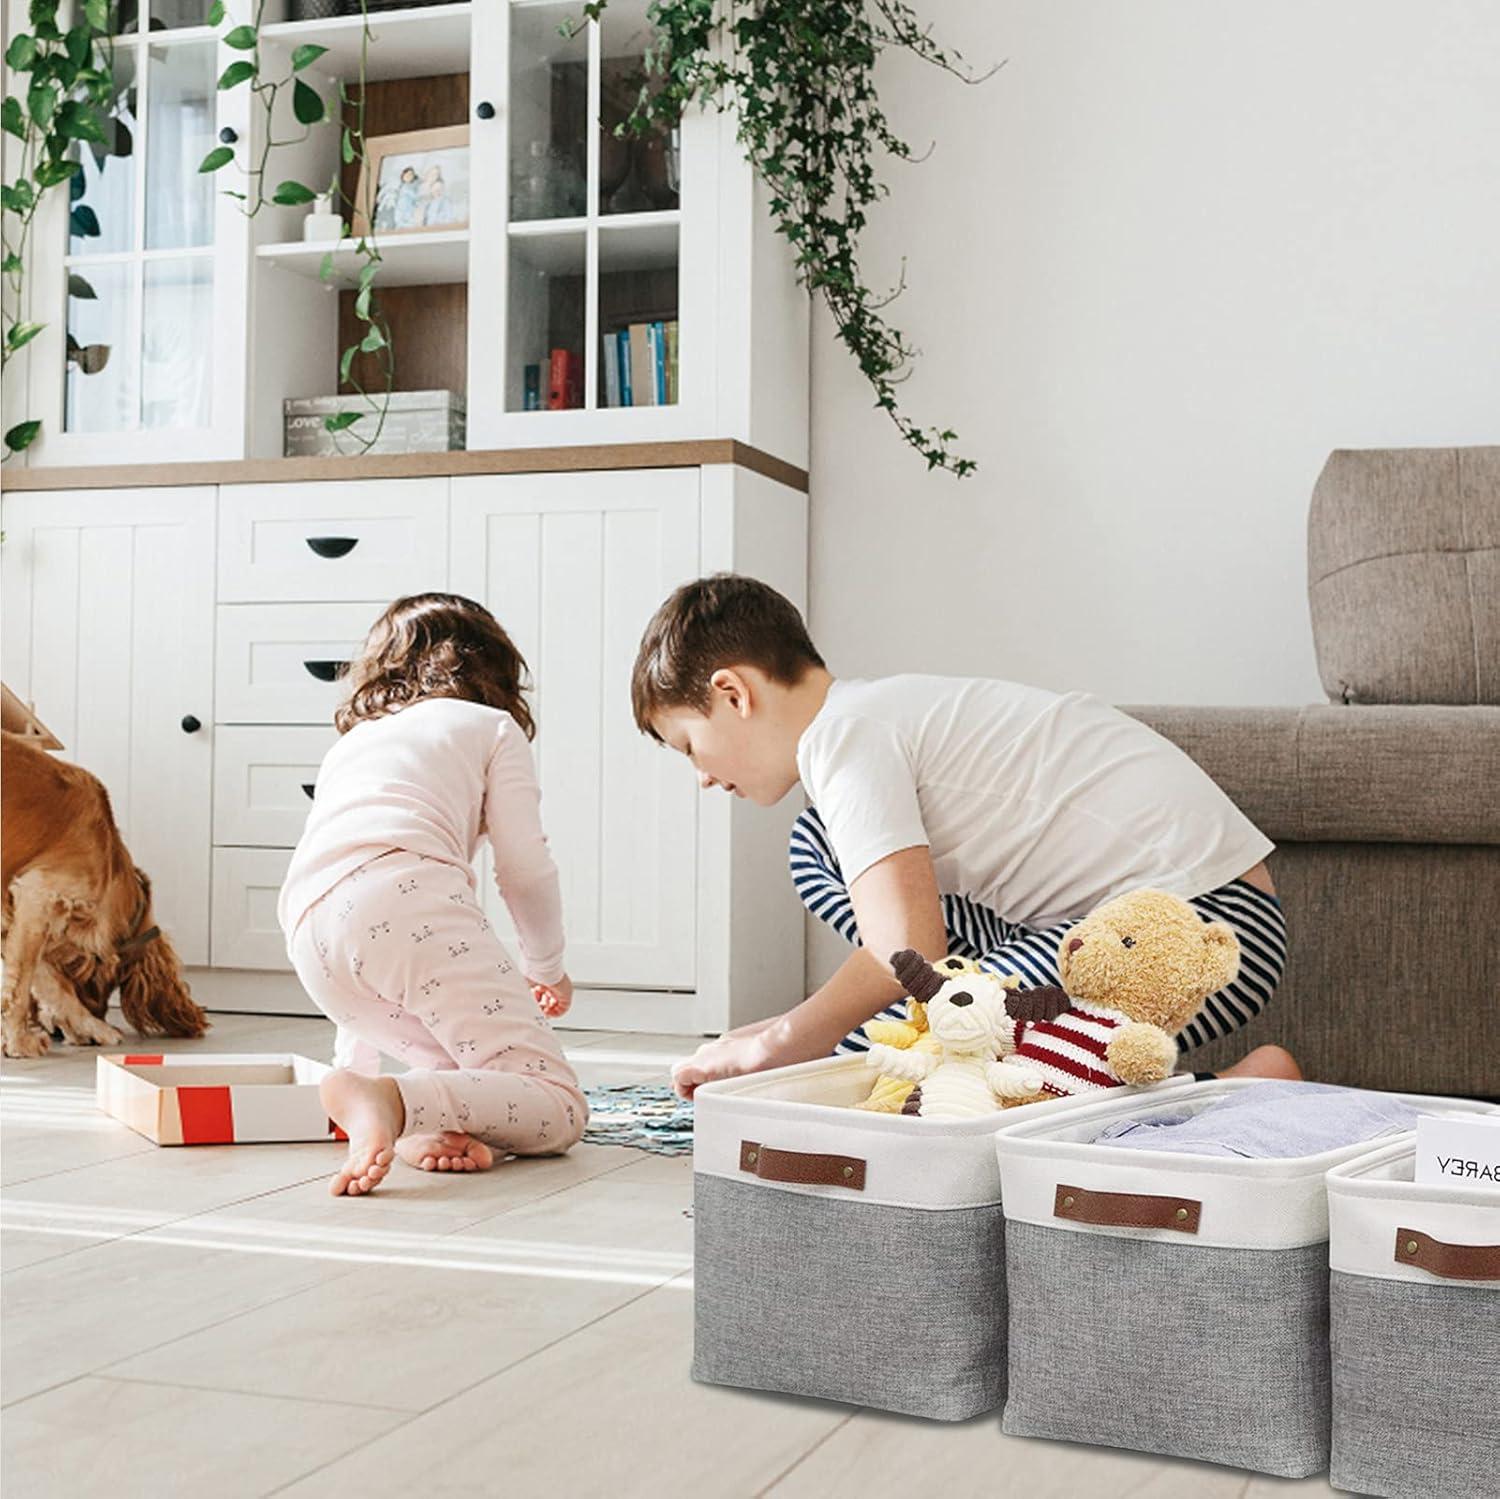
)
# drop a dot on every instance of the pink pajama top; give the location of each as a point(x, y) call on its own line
point(435, 778)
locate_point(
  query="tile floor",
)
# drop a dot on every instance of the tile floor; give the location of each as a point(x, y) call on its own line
point(210, 1321)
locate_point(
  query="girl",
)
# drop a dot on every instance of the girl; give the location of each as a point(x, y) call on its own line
point(382, 921)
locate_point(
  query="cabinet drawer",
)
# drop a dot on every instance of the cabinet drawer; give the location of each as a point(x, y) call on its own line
point(371, 539)
point(245, 932)
point(283, 663)
point(263, 782)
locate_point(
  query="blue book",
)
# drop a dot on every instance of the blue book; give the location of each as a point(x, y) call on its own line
point(622, 356)
point(659, 349)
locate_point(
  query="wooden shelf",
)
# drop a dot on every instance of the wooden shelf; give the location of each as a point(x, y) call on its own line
point(403, 43)
point(438, 258)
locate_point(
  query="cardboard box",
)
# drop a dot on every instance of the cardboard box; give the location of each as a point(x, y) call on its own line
point(1463, 1152)
point(187, 1098)
point(416, 421)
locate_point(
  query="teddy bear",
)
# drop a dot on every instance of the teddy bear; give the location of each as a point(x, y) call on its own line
point(1135, 970)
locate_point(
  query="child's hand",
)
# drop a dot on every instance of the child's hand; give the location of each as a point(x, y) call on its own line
point(554, 1000)
point(729, 1056)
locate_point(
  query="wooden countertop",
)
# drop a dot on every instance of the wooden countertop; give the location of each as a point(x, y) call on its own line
point(410, 466)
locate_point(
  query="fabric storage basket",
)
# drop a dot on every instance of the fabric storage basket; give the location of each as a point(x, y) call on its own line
point(848, 1255)
point(1166, 1302)
point(1414, 1323)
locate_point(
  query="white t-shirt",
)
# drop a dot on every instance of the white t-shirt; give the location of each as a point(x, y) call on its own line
point(435, 778)
point(1035, 804)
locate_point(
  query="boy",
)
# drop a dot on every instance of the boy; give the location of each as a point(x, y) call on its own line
point(949, 815)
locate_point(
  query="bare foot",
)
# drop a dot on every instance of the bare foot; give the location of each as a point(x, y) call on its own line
point(448, 1150)
point(1266, 1061)
point(369, 1110)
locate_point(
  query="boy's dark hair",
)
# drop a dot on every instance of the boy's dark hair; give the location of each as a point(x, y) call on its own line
point(435, 645)
point(725, 620)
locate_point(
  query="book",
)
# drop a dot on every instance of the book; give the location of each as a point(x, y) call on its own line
point(611, 357)
point(672, 362)
point(532, 386)
point(622, 361)
point(562, 382)
point(642, 376)
point(659, 351)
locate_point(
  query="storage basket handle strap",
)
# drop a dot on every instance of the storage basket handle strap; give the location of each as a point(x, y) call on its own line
point(802, 1167)
point(1127, 1209)
point(1450, 1261)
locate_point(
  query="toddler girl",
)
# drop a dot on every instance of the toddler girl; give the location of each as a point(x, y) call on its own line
point(382, 920)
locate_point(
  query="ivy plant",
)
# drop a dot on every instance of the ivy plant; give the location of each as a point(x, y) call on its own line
point(799, 75)
point(63, 97)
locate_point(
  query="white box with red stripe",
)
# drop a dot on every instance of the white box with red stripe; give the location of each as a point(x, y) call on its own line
point(192, 1099)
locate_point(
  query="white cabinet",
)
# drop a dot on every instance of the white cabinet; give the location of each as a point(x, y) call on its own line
point(108, 629)
point(265, 778)
point(573, 566)
point(281, 663)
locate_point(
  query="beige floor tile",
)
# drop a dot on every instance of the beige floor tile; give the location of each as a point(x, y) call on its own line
point(107, 1439)
point(39, 1149)
point(20, 1247)
point(66, 1318)
point(645, 1167)
point(1262, 1487)
point(607, 1413)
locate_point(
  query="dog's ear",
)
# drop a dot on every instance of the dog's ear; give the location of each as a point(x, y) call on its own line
point(154, 994)
point(915, 974)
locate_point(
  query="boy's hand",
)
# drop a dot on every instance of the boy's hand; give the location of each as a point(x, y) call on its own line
point(553, 1000)
point(729, 1056)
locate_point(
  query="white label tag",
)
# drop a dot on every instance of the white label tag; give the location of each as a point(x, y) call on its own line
point(1459, 1150)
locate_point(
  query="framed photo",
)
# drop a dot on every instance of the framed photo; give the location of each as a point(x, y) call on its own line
point(414, 183)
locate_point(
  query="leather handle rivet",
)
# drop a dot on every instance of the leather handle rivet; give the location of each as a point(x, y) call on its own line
point(750, 1158)
point(848, 1172)
point(1067, 1202)
point(1182, 1215)
point(1411, 1246)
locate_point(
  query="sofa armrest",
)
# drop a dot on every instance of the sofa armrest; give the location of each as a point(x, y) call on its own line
point(1324, 774)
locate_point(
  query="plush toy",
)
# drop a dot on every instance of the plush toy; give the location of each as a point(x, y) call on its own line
point(1135, 971)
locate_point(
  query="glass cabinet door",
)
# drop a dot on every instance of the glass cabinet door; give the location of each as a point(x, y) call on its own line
point(139, 261)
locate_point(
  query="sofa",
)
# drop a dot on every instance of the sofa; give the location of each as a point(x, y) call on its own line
point(1384, 803)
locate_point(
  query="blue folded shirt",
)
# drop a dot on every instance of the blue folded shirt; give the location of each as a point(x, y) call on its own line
point(1272, 1119)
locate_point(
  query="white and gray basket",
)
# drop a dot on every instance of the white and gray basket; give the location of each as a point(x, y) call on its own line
point(1414, 1306)
point(853, 1256)
point(1171, 1303)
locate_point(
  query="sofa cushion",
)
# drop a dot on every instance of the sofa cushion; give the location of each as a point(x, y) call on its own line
point(1369, 775)
point(1403, 552)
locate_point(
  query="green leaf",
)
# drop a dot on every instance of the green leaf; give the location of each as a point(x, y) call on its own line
point(21, 53)
point(41, 103)
point(80, 42)
point(20, 334)
point(367, 272)
point(362, 305)
point(216, 12)
point(347, 362)
point(96, 13)
point(372, 341)
point(11, 118)
point(12, 264)
point(307, 53)
point(78, 287)
point(220, 156)
point(346, 147)
point(341, 421)
point(76, 121)
point(236, 73)
point(325, 266)
point(288, 194)
point(242, 38)
point(84, 221)
point(50, 173)
point(18, 198)
point(22, 435)
point(307, 103)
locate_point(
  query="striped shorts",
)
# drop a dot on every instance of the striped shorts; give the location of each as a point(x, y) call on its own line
point(976, 932)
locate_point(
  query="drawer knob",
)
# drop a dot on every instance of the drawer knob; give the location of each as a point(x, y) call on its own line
point(191, 725)
point(326, 671)
point(307, 789)
point(485, 110)
point(332, 546)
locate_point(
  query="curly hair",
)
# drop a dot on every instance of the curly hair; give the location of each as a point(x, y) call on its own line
point(435, 645)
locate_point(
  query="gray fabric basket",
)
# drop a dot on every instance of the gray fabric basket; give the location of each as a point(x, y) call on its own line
point(1170, 1303)
point(1415, 1333)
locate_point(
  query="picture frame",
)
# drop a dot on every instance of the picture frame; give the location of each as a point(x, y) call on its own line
point(415, 182)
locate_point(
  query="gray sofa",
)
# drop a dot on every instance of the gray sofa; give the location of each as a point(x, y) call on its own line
point(1384, 803)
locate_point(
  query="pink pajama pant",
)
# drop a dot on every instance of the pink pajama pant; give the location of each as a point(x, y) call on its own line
point(401, 958)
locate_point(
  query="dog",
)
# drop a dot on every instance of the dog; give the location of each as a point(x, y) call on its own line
point(77, 915)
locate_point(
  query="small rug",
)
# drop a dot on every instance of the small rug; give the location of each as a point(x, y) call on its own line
point(649, 1116)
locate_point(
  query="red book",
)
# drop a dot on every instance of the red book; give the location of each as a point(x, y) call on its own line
point(560, 381)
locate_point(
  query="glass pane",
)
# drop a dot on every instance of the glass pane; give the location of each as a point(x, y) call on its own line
point(545, 322)
point(636, 175)
point(176, 329)
point(169, 15)
point(548, 108)
point(637, 315)
point(100, 391)
point(102, 217)
point(180, 198)
point(124, 16)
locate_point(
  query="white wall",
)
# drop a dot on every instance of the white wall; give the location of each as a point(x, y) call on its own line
point(1158, 266)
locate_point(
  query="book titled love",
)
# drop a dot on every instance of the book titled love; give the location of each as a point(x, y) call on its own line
point(1459, 1150)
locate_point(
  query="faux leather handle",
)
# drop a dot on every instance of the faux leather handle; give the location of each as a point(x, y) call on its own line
point(332, 546)
point(1450, 1261)
point(798, 1166)
point(325, 671)
point(1127, 1209)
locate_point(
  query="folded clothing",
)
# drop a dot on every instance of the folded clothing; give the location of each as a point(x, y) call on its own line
point(1270, 1120)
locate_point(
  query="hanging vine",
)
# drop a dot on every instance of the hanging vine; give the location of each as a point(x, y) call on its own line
point(66, 78)
point(310, 110)
point(799, 75)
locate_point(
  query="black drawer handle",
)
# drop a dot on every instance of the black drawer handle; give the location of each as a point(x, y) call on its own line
point(326, 671)
point(307, 789)
point(191, 725)
point(332, 546)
